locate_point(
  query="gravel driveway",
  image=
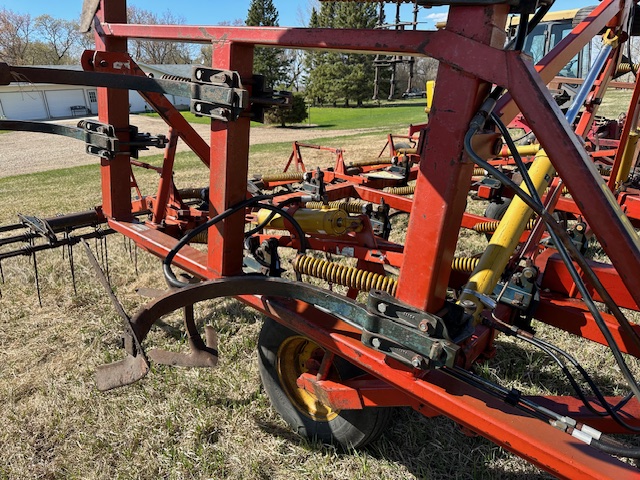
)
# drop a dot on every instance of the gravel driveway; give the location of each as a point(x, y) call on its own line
point(26, 152)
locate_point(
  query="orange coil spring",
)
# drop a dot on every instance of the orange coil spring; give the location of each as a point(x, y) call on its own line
point(349, 207)
point(626, 68)
point(464, 264)
point(351, 277)
point(408, 190)
point(479, 172)
point(366, 163)
point(282, 177)
point(490, 227)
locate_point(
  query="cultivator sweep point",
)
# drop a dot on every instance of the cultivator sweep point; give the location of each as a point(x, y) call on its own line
point(429, 316)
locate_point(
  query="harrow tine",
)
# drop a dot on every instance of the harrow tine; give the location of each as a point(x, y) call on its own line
point(37, 277)
point(72, 266)
point(135, 365)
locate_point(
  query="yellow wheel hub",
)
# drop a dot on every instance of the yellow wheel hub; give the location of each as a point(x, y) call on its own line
point(294, 357)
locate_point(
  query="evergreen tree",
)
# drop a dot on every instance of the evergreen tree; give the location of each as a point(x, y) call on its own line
point(335, 76)
point(270, 62)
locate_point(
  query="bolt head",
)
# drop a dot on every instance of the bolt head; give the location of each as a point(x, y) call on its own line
point(382, 307)
point(417, 361)
point(376, 342)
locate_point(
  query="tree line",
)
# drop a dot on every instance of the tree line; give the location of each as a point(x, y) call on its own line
point(326, 78)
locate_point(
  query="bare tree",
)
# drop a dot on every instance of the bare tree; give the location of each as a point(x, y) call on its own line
point(157, 52)
point(16, 34)
point(59, 37)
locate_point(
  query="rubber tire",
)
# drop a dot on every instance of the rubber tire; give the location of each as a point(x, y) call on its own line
point(349, 429)
point(584, 12)
point(497, 208)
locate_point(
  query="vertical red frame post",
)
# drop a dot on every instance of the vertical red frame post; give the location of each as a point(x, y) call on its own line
point(228, 170)
point(444, 176)
point(113, 109)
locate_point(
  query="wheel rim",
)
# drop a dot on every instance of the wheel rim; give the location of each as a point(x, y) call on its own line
point(295, 356)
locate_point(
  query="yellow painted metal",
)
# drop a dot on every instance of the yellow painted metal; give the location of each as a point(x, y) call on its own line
point(524, 150)
point(329, 221)
point(293, 355)
point(430, 87)
point(627, 159)
point(505, 239)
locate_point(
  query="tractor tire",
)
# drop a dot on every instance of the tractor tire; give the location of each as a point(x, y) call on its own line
point(584, 12)
point(283, 356)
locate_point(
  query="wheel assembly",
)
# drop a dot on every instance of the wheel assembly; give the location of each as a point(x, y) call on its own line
point(283, 356)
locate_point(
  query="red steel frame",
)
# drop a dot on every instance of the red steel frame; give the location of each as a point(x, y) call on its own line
point(471, 56)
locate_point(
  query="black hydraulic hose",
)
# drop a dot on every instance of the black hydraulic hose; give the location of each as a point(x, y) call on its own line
point(593, 278)
point(531, 24)
point(166, 264)
point(564, 245)
point(609, 410)
point(618, 450)
point(260, 226)
point(514, 398)
point(170, 277)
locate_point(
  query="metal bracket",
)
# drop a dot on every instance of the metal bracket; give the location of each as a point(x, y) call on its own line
point(409, 335)
point(217, 94)
point(263, 98)
point(100, 138)
point(39, 226)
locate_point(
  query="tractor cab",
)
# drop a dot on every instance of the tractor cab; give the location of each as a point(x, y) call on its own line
point(547, 34)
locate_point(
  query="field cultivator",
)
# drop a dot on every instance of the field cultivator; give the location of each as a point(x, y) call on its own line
point(413, 320)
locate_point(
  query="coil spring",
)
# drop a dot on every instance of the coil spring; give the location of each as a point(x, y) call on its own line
point(626, 68)
point(202, 237)
point(604, 170)
point(349, 207)
point(464, 264)
point(176, 78)
point(283, 177)
point(343, 275)
point(408, 190)
point(479, 172)
point(366, 163)
point(490, 227)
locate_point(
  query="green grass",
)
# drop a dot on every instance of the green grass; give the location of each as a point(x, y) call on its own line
point(370, 116)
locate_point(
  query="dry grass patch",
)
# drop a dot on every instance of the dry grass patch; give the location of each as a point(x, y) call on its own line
point(200, 423)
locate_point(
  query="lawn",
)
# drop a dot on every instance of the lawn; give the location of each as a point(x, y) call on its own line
point(370, 116)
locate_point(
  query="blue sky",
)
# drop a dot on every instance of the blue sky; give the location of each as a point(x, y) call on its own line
point(211, 12)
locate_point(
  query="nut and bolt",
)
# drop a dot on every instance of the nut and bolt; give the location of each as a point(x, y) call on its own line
point(417, 361)
point(382, 307)
point(468, 305)
point(376, 342)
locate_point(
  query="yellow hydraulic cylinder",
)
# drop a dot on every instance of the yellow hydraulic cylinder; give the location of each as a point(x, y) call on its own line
point(523, 150)
point(330, 221)
point(505, 239)
point(627, 158)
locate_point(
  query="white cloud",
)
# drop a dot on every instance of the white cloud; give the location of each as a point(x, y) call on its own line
point(434, 18)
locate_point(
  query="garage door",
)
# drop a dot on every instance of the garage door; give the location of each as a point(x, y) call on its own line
point(27, 105)
point(61, 101)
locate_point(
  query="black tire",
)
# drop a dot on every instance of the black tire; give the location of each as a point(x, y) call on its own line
point(586, 11)
point(348, 428)
point(497, 207)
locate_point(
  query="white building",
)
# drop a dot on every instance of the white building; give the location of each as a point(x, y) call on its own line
point(26, 101)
